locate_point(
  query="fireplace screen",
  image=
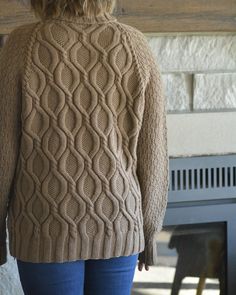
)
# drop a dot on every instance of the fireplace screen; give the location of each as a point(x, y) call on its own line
point(192, 260)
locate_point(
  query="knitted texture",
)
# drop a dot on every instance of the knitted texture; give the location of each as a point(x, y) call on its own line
point(83, 142)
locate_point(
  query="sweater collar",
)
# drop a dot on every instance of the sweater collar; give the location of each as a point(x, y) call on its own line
point(102, 18)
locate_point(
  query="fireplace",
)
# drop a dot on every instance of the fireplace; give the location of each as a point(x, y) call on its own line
point(193, 256)
point(201, 216)
point(197, 245)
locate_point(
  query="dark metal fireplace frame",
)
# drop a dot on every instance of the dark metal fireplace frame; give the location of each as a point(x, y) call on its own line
point(203, 189)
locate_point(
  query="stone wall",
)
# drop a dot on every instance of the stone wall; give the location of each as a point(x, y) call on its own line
point(199, 76)
point(199, 72)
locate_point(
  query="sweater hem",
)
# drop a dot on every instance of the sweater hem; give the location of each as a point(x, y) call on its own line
point(41, 250)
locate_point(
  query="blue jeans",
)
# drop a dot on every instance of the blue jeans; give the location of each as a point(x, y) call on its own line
point(81, 277)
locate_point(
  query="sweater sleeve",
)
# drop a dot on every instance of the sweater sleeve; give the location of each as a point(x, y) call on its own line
point(152, 158)
point(10, 99)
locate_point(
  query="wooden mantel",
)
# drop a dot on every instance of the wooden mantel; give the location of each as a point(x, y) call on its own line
point(148, 16)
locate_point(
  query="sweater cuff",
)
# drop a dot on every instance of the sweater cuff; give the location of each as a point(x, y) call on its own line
point(149, 255)
point(3, 254)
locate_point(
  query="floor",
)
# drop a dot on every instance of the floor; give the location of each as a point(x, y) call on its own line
point(158, 281)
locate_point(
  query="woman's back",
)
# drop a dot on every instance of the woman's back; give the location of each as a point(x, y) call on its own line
point(92, 168)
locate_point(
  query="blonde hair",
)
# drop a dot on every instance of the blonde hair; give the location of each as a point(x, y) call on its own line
point(54, 8)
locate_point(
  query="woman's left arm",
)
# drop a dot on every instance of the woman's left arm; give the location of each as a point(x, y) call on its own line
point(10, 110)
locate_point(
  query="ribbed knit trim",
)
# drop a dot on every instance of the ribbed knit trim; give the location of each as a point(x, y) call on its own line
point(40, 248)
point(103, 18)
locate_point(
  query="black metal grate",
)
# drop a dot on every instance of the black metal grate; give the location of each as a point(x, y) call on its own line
point(201, 176)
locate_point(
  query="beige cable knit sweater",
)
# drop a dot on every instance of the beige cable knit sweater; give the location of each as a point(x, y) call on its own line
point(83, 142)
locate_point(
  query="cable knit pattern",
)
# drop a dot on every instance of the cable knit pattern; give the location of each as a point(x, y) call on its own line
point(83, 142)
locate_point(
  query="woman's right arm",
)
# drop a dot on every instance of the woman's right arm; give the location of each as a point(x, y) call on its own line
point(152, 152)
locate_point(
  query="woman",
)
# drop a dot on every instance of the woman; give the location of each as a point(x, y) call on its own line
point(83, 150)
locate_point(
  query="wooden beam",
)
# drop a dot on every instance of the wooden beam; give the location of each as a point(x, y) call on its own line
point(179, 15)
point(13, 14)
point(148, 16)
